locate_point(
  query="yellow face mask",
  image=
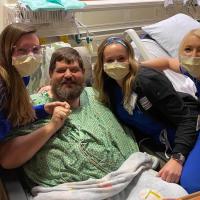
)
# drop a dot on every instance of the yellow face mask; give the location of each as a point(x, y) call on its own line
point(27, 64)
point(116, 70)
point(191, 65)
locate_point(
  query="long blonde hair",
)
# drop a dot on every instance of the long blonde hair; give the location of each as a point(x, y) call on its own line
point(194, 32)
point(101, 79)
point(18, 108)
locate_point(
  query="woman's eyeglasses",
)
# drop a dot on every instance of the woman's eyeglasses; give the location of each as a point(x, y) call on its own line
point(37, 49)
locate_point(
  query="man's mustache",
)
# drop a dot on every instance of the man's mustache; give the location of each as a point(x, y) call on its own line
point(68, 81)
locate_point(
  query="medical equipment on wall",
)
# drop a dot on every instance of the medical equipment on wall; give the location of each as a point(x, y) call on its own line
point(51, 23)
point(20, 13)
point(87, 40)
point(191, 7)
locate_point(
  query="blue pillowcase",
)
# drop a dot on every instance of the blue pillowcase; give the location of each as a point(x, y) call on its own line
point(53, 4)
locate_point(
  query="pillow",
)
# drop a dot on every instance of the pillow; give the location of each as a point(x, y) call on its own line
point(154, 50)
point(169, 33)
point(87, 62)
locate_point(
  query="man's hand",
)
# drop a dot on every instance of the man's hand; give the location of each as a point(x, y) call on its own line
point(171, 171)
point(49, 107)
point(60, 113)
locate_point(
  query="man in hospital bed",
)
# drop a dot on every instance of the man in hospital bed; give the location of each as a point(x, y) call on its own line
point(81, 152)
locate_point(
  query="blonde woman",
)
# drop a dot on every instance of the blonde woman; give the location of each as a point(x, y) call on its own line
point(188, 62)
point(145, 99)
point(20, 56)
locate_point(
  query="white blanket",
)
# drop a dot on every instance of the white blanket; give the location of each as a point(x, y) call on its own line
point(127, 183)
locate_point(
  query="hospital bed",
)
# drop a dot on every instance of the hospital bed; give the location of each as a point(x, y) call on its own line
point(146, 47)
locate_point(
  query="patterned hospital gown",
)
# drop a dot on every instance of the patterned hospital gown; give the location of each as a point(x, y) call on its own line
point(90, 144)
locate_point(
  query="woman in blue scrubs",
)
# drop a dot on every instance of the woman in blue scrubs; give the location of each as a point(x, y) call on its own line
point(20, 56)
point(145, 99)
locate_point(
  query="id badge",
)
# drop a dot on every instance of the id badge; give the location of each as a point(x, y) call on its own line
point(133, 100)
point(198, 123)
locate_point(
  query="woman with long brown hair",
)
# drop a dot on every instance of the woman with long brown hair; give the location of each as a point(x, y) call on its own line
point(20, 56)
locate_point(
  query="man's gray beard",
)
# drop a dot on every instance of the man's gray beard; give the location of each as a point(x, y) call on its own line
point(67, 94)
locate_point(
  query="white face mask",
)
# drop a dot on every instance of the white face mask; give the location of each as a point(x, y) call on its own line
point(116, 70)
point(27, 64)
point(191, 64)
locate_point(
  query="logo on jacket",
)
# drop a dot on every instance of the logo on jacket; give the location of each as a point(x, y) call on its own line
point(145, 103)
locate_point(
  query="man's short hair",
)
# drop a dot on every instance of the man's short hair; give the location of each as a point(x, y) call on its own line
point(66, 54)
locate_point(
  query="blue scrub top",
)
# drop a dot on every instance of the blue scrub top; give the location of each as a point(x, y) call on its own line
point(5, 125)
point(140, 120)
point(196, 81)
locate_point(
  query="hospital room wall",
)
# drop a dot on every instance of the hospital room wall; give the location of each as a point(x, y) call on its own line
point(107, 19)
point(1, 17)
point(2, 2)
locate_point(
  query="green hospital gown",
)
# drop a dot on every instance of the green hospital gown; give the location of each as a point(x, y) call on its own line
point(90, 144)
